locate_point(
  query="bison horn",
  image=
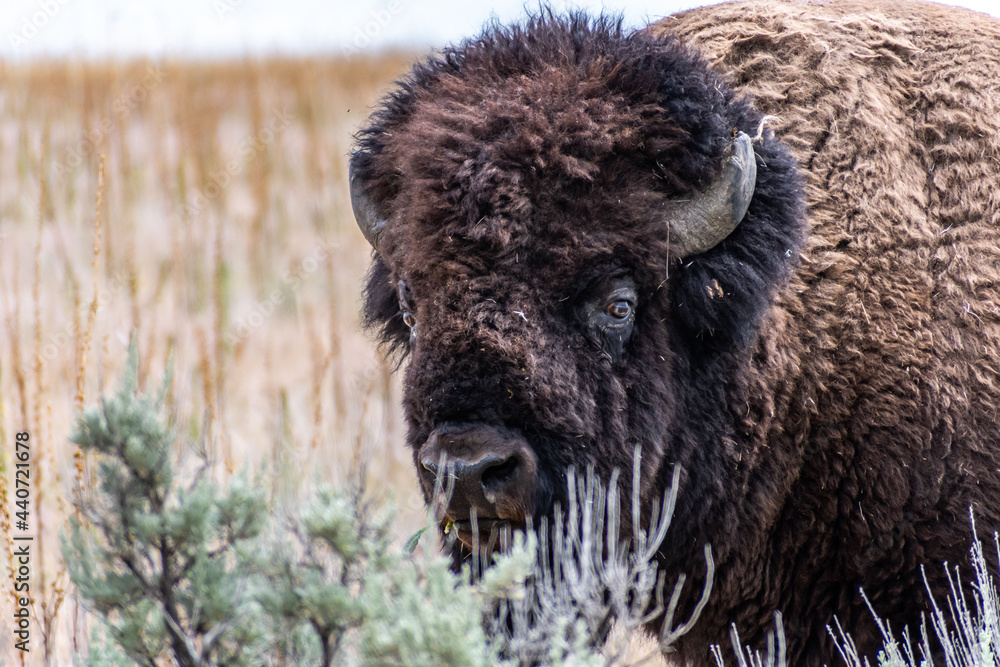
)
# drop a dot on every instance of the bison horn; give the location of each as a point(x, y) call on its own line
point(699, 224)
point(369, 221)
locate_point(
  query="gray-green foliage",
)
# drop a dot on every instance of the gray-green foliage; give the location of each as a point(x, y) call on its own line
point(774, 655)
point(103, 651)
point(156, 559)
point(335, 570)
point(587, 578)
point(202, 574)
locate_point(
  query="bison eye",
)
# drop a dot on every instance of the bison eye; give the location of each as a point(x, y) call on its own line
point(607, 313)
point(619, 309)
point(405, 299)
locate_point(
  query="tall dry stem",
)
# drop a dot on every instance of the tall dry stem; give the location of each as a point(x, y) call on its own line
point(220, 320)
point(319, 375)
point(38, 369)
point(51, 596)
point(205, 369)
point(83, 340)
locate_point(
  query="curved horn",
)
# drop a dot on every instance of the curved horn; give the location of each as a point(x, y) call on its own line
point(701, 223)
point(371, 223)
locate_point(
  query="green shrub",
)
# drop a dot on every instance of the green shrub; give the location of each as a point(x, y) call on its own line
point(202, 574)
point(158, 560)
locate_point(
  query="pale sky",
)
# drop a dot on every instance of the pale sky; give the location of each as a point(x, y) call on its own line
point(102, 28)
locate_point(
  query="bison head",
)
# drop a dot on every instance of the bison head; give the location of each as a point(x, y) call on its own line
point(572, 227)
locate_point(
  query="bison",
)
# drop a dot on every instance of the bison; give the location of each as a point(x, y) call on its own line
point(761, 240)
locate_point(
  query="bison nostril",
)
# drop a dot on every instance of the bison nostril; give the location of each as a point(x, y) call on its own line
point(489, 470)
point(497, 476)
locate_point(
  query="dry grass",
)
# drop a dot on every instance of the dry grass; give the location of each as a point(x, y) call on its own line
point(248, 281)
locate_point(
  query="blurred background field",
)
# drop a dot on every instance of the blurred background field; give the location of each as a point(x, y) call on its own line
point(225, 242)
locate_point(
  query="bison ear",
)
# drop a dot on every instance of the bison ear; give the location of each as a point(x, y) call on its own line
point(380, 314)
point(720, 294)
point(698, 224)
point(370, 221)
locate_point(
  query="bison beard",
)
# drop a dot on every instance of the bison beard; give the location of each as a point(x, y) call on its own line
point(826, 376)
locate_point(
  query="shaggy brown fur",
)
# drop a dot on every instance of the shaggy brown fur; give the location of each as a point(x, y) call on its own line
point(881, 357)
point(833, 429)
